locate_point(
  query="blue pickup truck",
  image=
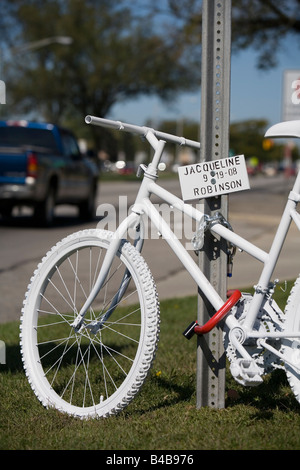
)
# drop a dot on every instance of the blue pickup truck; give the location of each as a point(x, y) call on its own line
point(41, 166)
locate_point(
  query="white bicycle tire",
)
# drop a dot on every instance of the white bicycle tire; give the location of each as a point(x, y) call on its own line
point(291, 346)
point(32, 310)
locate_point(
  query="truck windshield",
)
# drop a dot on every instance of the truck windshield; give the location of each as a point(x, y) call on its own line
point(22, 136)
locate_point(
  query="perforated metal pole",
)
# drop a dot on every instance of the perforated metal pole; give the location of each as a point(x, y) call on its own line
point(214, 138)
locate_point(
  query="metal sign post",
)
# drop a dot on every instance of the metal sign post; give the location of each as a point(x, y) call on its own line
point(214, 138)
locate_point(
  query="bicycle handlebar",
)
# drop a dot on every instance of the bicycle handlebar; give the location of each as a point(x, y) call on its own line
point(118, 125)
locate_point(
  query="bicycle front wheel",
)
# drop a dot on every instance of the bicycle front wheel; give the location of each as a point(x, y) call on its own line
point(97, 370)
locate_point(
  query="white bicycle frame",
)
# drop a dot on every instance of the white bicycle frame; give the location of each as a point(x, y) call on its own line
point(143, 206)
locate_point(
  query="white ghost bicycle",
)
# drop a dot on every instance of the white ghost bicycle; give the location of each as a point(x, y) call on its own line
point(90, 320)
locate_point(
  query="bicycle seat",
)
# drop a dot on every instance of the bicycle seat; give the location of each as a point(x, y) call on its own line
point(284, 129)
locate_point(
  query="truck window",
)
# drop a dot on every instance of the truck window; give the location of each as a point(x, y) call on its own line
point(21, 136)
point(70, 146)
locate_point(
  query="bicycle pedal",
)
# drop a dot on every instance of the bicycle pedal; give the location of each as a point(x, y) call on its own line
point(246, 372)
point(190, 330)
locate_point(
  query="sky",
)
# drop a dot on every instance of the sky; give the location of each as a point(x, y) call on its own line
point(254, 94)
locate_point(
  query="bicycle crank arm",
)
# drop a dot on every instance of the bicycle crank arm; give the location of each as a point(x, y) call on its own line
point(195, 328)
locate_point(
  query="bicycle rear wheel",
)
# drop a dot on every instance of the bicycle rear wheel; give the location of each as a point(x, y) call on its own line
point(92, 372)
point(291, 346)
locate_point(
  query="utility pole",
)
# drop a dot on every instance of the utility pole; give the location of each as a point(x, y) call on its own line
point(214, 138)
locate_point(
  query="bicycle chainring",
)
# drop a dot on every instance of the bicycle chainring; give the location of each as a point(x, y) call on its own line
point(268, 320)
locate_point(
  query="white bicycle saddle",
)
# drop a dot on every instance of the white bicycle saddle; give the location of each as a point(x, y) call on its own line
point(284, 129)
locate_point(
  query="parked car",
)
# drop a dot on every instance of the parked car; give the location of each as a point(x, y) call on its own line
point(41, 166)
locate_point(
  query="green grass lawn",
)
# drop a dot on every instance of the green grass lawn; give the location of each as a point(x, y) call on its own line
point(164, 414)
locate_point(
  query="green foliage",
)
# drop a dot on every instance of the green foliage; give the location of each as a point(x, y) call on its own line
point(263, 25)
point(115, 54)
point(247, 137)
point(121, 50)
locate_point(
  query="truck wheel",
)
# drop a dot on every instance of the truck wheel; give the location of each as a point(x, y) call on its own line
point(44, 211)
point(6, 212)
point(87, 208)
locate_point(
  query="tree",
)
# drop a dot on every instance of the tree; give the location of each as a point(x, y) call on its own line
point(247, 137)
point(263, 25)
point(122, 49)
point(260, 24)
point(116, 53)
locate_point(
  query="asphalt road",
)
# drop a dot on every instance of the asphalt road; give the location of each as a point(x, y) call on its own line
point(253, 214)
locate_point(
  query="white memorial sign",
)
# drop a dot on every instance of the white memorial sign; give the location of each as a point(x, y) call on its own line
point(213, 178)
